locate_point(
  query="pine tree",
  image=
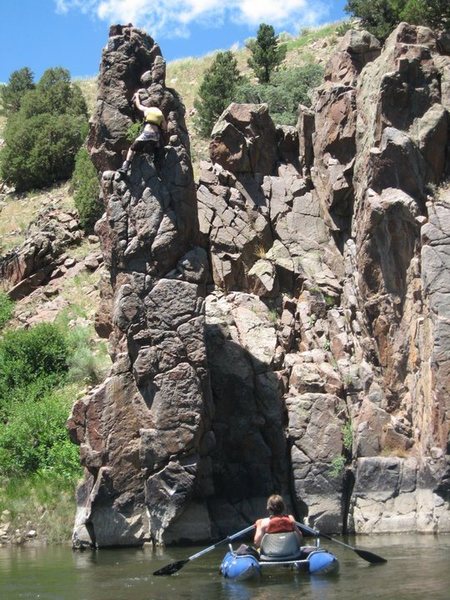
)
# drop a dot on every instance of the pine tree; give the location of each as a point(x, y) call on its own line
point(44, 135)
point(86, 190)
point(12, 93)
point(216, 91)
point(267, 53)
point(380, 17)
point(433, 13)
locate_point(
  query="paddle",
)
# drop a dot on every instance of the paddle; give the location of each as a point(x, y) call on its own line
point(179, 564)
point(364, 554)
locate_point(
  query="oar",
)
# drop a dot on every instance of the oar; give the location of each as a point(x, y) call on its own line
point(179, 564)
point(364, 554)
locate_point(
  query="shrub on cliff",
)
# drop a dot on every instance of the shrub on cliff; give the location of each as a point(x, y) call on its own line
point(266, 53)
point(216, 91)
point(380, 17)
point(287, 89)
point(86, 190)
point(44, 135)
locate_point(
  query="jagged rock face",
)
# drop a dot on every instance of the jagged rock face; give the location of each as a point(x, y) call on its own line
point(249, 457)
point(131, 60)
point(401, 144)
point(265, 234)
point(353, 53)
point(316, 365)
point(142, 432)
point(38, 259)
point(401, 124)
point(244, 139)
point(338, 245)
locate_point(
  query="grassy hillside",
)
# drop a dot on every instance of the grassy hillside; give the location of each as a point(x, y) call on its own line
point(185, 75)
point(89, 88)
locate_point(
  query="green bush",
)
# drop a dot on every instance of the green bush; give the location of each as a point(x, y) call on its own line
point(44, 135)
point(86, 191)
point(32, 361)
point(288, 89)
point(266, 53)
point(216, 91)
point(380, 17)
point(86, 364)
point(6, 309)
point(35, 398)
point(35, 439)
point(133, 131)
point(433, 13)
point(40, 150)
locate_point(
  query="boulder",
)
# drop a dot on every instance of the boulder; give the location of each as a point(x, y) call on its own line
point(244, 139)
point(354, 51)
point(36, 260)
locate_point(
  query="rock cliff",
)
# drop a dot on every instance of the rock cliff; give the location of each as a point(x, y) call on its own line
point(284, 326)
point(144, 433)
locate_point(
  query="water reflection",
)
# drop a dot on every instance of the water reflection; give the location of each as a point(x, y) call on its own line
point(417, 568)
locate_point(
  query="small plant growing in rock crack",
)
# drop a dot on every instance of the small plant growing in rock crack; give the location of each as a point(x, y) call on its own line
point(311, 320)
point(348, 380)
point(347, 436)
point(260, 251)
point(337, 466)
point(330, 300)
point(133, 131)
point(273, 316)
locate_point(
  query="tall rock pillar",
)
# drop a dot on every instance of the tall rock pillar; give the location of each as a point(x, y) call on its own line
point(144, 431)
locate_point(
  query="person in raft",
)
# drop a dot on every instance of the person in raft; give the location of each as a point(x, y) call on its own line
point(277, 521)
point(150, 140)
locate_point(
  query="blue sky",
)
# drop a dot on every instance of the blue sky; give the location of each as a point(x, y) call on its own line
point(71, 33)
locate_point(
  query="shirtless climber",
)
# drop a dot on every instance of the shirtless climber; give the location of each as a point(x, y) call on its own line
point(150, 139)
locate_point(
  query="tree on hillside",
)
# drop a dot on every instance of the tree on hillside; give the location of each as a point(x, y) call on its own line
point(380, 17)
point(216, 91)
point(11, 94)
point(433, 13)
point(86, 190)
point(43, 137)
point(287, 89)
point(377, 16)
point(267, 53)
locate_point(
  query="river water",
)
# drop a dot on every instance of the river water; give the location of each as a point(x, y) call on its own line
point(418, 567)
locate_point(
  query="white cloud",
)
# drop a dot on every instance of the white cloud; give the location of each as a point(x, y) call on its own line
point(174, 17)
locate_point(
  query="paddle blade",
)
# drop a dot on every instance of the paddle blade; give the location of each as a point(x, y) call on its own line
point(172, 568)
point(370, 556)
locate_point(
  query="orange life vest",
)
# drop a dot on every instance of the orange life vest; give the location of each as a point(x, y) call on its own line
point(280, 524)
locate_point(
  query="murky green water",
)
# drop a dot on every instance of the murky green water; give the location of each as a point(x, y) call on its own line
point(418, 567)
